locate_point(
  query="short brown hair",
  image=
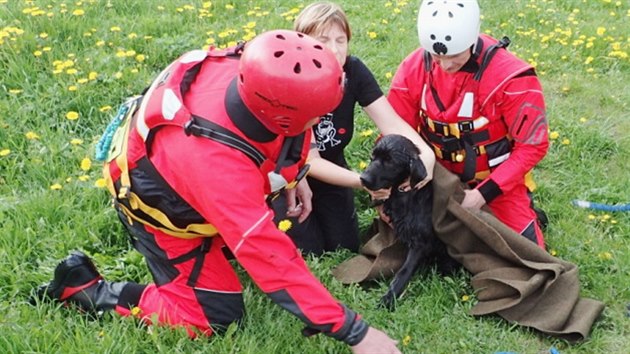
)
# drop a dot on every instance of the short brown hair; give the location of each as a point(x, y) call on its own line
point(319, 15)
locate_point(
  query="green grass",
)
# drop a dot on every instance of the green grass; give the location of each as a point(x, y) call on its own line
point(49, 204)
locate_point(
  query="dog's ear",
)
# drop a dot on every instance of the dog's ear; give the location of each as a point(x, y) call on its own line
point(417, 171)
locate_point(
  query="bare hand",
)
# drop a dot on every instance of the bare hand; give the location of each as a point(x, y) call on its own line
point(473, 199)
point(376, 341)
point(299, 201)
point(381, 194)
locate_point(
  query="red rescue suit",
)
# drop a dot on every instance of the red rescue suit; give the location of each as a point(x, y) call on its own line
point(221, 184)
point(486, 123)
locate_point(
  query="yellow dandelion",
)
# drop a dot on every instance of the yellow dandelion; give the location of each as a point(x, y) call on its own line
point(229, 7)
point(601, 31)
point(71, 71)
point(284, 225)
point(362, 165)
point(84, 178)
point(115, 29)
point(69, 179)
point(366, 133)
point(32, 136)
point(135, 311)
point(78, 12)
point(56, 187)
point(566, 141)
point(72, 88)
point(86, 163)
point(100, 183)
point(583, 120)
point(140, 58)
point(37, 53)
point(589, 60)
point(5, 152)
point(406, 340)
point(76, 141)
point(92, 75)
point(465, 298)
point(591, 217)
point(100, 43)
point(372, 34)
point(43, 35)
point(105, 108)
point(553, 252)
point(118, 75)
point(72, 115)
point(82, 80)
point(554, 135)
point(606, 256)
point(388, 75)
point(206, 4)
point(15, 91)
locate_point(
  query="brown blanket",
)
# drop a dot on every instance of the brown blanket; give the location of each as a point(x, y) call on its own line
point(512, 276)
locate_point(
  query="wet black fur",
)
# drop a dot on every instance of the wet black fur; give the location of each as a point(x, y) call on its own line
point(394, 160)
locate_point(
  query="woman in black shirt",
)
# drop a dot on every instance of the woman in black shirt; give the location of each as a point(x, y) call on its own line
point(333, 222)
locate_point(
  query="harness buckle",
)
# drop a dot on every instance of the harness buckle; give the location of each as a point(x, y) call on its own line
point(123, 193)
point(466, 126)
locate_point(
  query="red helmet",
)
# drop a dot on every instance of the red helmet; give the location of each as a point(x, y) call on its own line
point(288, 80)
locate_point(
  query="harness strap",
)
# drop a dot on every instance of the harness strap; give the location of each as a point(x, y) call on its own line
point(200, 127)
point(487, 57)
point(202, 250)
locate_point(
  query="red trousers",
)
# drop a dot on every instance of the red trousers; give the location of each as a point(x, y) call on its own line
point(194, 285)
point(514, 209)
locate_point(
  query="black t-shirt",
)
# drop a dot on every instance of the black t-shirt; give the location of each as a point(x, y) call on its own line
point(334, 130)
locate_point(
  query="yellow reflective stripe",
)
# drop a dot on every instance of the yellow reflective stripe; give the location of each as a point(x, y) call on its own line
point(453, 128)
point(121, 160)
point(481, 175)
point(191, 230)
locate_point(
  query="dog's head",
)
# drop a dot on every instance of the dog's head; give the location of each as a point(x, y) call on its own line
point(394, 159)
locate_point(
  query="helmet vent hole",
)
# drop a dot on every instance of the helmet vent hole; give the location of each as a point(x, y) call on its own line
point(460, 4)
point(317, 64)
point(450, 14)
point(319, 47)
point(435, 13)
point(278, 54)
point(297, 68)
point(300, 35)
point(433, 37)
point(448, 38)
point(241, 78)
point(279, 36)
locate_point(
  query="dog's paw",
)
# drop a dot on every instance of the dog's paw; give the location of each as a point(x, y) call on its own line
point(388, 301)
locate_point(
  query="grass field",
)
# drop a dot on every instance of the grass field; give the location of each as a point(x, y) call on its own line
point(66, 65)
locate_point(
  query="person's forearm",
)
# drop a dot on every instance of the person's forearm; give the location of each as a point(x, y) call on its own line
point(328, 172)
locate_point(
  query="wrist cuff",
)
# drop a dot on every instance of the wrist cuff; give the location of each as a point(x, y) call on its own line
point(489, 190)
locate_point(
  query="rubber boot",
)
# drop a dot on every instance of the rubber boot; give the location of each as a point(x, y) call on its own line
point(77, 281)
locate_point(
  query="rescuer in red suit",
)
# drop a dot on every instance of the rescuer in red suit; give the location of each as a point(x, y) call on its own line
point(213, 138)
point(480, 107)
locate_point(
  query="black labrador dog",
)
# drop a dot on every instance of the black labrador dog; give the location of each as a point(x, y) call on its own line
point(396, 164)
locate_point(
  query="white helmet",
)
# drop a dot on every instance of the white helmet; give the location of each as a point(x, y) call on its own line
point(448, 27)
